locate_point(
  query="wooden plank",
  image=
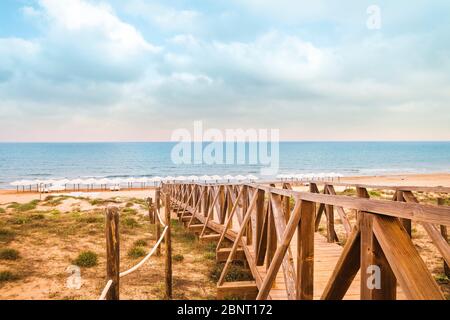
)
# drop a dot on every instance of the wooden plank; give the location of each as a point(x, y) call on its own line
point(439, 241)
point(444, 233)
point(280, 253)
point(223, 253)
point(239, 289)
point(406, 263)
point(237, 240)
point(260, 246)
point(112, 252)
point(346, 268)
point(288, 260)
point(341, 212)
point(372, 261)
point(305, 253)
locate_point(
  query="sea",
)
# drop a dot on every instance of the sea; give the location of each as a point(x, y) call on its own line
point(32, 161)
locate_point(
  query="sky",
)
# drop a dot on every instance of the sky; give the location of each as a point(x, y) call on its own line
point(88, 70)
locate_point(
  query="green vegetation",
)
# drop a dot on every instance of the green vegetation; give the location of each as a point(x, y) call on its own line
point(375, 193)
point(86, 259)
point(136, 252)
point(22, 207)
point(140, 243)
point(442, 279)
point(236, 272)
point(6, 235)
point(129, 211)
point(90, 219)
point(2, 210)
point(9, 254)
point(130, 222)
point(178, 257)
point(348, 192)
point(101, 202)
point(8, 276)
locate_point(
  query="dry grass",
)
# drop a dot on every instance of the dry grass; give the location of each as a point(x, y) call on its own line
point(50, 239)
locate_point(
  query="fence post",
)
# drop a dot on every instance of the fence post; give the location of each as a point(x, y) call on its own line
point(158, 224)
point(440, 202)
point(151, 211)
point(112, 252)
point(168, 249)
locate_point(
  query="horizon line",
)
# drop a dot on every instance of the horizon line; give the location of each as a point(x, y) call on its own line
point(206, 141)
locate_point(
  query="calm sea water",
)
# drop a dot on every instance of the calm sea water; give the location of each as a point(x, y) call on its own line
point(71, 160)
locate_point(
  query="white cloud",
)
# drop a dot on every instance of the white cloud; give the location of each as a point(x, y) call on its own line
point(164, 17)
point(78, 15)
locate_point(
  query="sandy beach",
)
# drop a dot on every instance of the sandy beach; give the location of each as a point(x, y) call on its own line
point(425, 180)
point(48, 231)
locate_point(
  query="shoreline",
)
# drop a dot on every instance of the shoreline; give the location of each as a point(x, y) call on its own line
point(423, 180)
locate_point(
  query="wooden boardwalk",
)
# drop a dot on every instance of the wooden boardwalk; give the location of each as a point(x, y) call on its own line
point(275, 231)
point(326, 256)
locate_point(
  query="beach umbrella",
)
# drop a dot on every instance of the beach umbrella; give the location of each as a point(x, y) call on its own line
point(216, 177)
point(228, 177)
point(300, 176)
point(156, 180)
point(252, 177)
point(192, 178)
point(181, 178)
point(205, 178)
point(240, 177)
point(281, 176)
point(168, 178)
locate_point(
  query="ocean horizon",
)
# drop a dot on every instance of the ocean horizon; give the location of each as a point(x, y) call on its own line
point(54, 160)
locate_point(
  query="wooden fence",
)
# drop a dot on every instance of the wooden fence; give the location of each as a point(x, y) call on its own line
point(274, 230)
point(113, 274)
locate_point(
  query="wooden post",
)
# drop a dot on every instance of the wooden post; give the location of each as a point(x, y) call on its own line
point(329, 211)
point(406, 223)
point(444, 233)
point(157, 222)
point(112, 252)
point(305, 252)
point(151, 212)
point(168, 246)
point(373, 264)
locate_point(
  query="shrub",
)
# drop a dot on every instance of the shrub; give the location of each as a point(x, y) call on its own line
point(130, 222)
point(21, 207)
point(236, 272)
point(136, 252)
point(178, 257)
point(2, 210)
point(6, 235)
point(140, 243)
point(129, 211)
point(90, 219)
point(8, 276)
point(86, 259)
point(9, 254)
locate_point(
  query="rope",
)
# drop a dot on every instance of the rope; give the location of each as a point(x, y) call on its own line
point(137, 266)
point(105, 290)
point(125, 273)
point(160, 220)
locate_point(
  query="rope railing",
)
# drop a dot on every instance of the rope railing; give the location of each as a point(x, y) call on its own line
point(113, 254)
point(106, 290)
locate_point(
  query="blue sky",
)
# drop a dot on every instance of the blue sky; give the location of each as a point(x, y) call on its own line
point(86, 70)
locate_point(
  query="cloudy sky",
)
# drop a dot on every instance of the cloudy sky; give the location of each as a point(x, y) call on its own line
point(87, 70)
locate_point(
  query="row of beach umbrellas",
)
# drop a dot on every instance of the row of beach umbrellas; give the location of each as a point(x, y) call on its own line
point(132, 180)
point(310, 176)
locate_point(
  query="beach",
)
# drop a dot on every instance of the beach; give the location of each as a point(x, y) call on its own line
point(48, 232)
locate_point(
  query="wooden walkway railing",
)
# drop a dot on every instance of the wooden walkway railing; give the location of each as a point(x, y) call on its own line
point(274, 230)
point(113, 274)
